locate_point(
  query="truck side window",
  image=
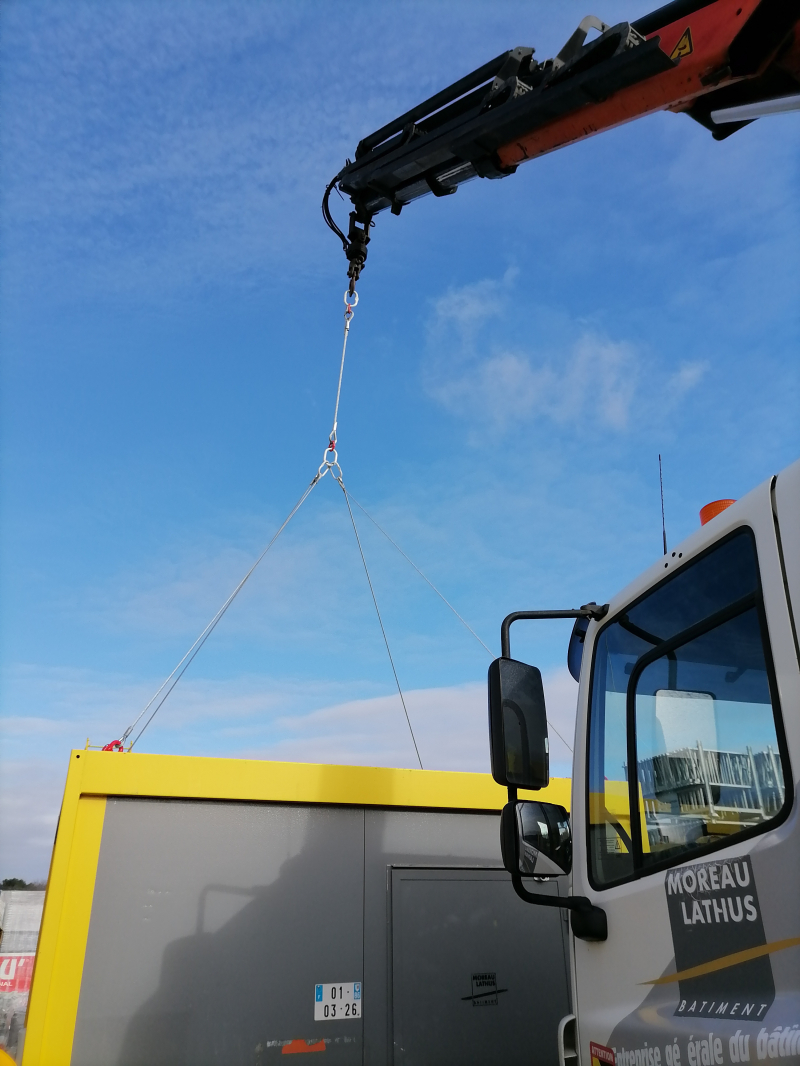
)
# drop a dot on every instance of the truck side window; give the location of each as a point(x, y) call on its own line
point(683, 689)
point(609, 822)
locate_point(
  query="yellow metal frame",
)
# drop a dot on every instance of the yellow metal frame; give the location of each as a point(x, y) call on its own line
point(94, 775)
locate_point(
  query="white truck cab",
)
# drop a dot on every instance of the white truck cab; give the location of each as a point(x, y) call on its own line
point(684, 871)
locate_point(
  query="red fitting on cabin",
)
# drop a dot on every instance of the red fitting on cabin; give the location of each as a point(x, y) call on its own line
point(711, 510)
point(115, 745)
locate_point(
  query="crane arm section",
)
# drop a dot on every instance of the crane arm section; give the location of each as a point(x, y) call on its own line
point(691, 56)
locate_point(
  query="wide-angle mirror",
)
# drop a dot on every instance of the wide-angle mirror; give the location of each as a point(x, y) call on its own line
point(535, 839)
point(518, 725)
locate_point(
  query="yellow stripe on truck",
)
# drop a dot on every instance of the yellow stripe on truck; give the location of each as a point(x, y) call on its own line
point(724, 961)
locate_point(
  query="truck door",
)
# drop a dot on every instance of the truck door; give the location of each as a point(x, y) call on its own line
point(684, 828)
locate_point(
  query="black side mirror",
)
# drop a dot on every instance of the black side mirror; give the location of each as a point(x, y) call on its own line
point(535, 839)
point(518, 725)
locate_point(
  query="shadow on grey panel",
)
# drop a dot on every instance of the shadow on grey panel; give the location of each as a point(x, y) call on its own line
point(235, 993)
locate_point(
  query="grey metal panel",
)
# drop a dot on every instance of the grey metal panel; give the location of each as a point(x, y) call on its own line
point(210, 925)
point(407, 837)
point(212, 922)
point(452, 932)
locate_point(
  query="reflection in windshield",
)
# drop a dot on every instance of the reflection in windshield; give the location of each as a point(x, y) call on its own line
point(707, 762)
point(707, 752)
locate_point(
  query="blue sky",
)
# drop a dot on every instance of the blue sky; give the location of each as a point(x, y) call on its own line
point(170, 323)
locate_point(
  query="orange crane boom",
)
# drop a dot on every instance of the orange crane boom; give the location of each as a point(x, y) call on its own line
point(691, 56)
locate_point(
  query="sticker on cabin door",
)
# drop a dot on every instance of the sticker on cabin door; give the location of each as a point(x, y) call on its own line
point(601, 1055)
point(721, 952)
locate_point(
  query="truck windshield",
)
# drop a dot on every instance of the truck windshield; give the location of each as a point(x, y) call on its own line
point(682, 690)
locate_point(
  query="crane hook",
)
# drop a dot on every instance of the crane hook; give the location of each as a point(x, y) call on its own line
point(357, 239)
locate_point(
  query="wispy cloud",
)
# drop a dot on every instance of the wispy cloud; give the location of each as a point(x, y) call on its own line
point(251, 718)
point(211, 172)
point(30, 799)
point(157, 148)
point(508, 388)
point(687, 377)
point(449, 725)
point(478, 370)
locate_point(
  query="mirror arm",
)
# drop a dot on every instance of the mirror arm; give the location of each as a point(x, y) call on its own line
point(589, 610)
point(568, 902)
point(588, 922)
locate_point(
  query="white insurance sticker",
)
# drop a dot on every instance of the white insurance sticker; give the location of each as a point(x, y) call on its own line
point(336, 1003)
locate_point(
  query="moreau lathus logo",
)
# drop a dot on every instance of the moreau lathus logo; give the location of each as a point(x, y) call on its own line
point(714, 912)
point(484, 990)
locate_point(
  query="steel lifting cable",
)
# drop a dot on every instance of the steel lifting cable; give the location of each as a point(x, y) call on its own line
point(443, 598)
point(350, 302)
point(169, 684)
point(329, 462)
point(380, 621)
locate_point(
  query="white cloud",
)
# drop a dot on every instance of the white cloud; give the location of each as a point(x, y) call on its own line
point(686, 377)
point(601, 378)
point(252, 719)
point(30, 799)
point(472, 304)
point(481, 367)
point(450, 727)
point(597, 378)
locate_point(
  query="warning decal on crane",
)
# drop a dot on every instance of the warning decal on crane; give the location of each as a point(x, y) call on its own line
point(684, 47)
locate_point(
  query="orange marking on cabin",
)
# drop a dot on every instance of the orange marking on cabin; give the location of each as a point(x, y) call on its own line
point(301, 1047)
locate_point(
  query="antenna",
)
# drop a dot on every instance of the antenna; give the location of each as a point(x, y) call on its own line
point(663, 523)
